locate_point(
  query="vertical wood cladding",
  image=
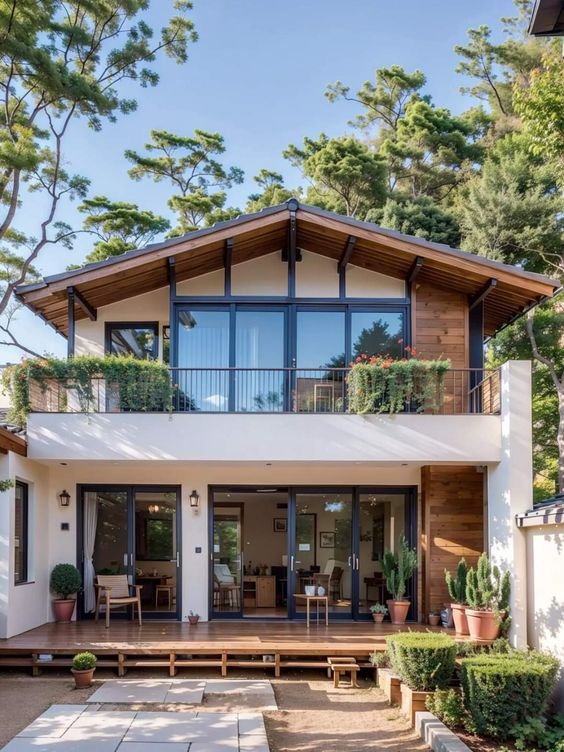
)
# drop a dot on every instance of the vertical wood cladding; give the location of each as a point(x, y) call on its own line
point(452, 508)
point(440, 324)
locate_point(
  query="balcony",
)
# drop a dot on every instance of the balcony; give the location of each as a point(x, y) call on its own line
point(260, 390)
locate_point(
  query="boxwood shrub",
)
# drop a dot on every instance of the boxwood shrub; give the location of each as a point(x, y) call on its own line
point(501, 691)
point(423, 660)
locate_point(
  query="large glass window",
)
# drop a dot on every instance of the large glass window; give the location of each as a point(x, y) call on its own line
point(377, 333)
point(139, 340)
point(320, 358)
point(21, 533)
point(259, 345)
point(203, 344)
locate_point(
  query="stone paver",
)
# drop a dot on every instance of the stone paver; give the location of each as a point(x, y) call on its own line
point(91, 728)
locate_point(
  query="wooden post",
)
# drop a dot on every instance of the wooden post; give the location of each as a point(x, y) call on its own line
point(70, 314)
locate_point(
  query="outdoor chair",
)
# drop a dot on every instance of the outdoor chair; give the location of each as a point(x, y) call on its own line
point(115, 590)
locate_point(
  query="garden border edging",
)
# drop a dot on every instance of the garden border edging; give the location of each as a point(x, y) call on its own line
point(437, 735)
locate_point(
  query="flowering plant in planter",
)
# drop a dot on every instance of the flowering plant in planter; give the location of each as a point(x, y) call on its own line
point(382, 384)
point(487, 595)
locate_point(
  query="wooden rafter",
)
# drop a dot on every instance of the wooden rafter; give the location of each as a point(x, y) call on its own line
point(483, 293)
point(415, 269)
point(11, 442)
point(347, 253)
point(89, 310)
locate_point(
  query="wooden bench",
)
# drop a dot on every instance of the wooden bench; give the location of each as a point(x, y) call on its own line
point(343, 665)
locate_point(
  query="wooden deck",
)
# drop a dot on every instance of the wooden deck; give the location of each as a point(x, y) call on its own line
point(175, 645)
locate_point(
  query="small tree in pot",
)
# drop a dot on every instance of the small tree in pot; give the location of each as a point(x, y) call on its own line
point(398, 568)
point(456, 586)
point(65, 581)
point(487, 595)
point(83, 667)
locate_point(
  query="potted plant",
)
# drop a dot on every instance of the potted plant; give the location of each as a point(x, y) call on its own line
point(434, 618)
point(193, 618)
point(83, 667)
point(65, 581)
point(487, 595)
point(378, 612)
point(456, 586)
point(398, 568)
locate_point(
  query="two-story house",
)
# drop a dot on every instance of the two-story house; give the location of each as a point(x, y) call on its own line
point(260, 475)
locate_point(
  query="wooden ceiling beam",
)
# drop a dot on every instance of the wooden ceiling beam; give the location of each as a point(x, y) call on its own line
point(11, 442)
point(415, 269)
point(89, 310)
point(483, 293)
point(347, 253)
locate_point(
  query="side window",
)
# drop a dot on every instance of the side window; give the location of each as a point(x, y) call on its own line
point(21, 533)
point(137, 339)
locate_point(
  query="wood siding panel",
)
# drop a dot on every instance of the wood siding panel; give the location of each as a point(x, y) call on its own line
point(453, 525)
point(441, 324)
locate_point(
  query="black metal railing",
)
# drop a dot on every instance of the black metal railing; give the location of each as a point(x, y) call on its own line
point(462, 391)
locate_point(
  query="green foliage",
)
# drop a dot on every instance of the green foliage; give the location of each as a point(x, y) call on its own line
point(380, 659)
point(190, 165)
point(378, 608)
point(540, 733)
point(502, 691)
point(5, 485)
point(448, 706)
point(347, 176)
point(486, 588)
point(65, 580)
point(398, 568)
point(63, 61)
point(424, 661)
point(383, 385)
point(420, 217)
point(465, 648)
point(457, 585)
point(272, 191)
point(84, 661)
point(138, 385)
point(119, 226)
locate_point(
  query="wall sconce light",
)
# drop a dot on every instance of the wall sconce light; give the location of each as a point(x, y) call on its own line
point(194, 499)
point(64, 498)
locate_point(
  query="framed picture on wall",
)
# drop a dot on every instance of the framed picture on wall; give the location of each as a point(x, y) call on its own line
point(327, 540)
point(280, 525)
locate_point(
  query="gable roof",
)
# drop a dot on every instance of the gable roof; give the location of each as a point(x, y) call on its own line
point(547, 18)
point(319, 231)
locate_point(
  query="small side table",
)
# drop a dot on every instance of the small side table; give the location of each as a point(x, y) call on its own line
point(317, 599)
point(342, 665)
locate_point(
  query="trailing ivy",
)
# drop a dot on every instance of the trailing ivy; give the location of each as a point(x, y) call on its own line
point(110, 383)
point(383, 385)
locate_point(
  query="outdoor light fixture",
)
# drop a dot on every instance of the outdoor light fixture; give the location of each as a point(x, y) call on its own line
point(153, 508)
point(64, 498)
point(194, 499)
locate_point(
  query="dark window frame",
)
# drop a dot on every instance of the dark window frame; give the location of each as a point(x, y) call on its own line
point(111, 326)
point(23, 577)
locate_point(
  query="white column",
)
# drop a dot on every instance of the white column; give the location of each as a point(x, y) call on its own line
point(510, 489)
point(6, 548)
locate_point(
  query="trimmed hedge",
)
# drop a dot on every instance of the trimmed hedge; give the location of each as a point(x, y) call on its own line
point(423, 660)
point(501, 691)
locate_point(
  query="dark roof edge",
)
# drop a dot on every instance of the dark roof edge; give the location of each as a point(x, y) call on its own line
point(454, 252)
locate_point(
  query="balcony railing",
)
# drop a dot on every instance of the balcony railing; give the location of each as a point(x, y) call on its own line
point(255, 390)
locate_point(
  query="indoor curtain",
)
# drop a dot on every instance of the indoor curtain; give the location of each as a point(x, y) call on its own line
point(90, 523)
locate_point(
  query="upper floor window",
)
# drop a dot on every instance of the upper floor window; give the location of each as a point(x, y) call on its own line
point(137, 339)
point(21, 533)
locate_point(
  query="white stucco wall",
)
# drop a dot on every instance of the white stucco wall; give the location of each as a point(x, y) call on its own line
point(363, 283)
point(259, 437)
point(24, 606)
point(545, 593)
point(510, 488)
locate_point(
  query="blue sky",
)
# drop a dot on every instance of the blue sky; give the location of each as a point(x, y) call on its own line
point(257, 75)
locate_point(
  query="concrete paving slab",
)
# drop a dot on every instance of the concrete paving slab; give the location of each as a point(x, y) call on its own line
point(131, 691)
point(237, 686)
point(38, 744)
point(102, 725)
point(186, 691)
point(251, 723)
point(53, 722)
point(153, 747)
point(253, 743)
point(180, 727)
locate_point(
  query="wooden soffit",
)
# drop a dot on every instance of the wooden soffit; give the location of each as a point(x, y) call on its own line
point(375, 249)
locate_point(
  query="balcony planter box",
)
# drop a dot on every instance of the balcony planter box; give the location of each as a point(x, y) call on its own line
point(413, 701)
point(390, 684)
point(483, 626)
point(459, 618)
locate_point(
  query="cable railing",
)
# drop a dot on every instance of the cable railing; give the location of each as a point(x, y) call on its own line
point(460, 391)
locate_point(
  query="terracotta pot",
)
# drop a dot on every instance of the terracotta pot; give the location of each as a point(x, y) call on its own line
point(83, 679)
point(378, 618)
point(193, 620)
point(482, 625)
point(459, 617)
point(434, 620)
point(398, 611)
point(63, 609)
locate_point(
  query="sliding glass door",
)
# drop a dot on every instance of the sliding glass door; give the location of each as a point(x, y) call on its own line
point(132, 531)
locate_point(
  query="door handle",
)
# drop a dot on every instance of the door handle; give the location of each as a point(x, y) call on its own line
point(350, 561)
point(291, 563)
point(178, 558)
point(125, 560)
